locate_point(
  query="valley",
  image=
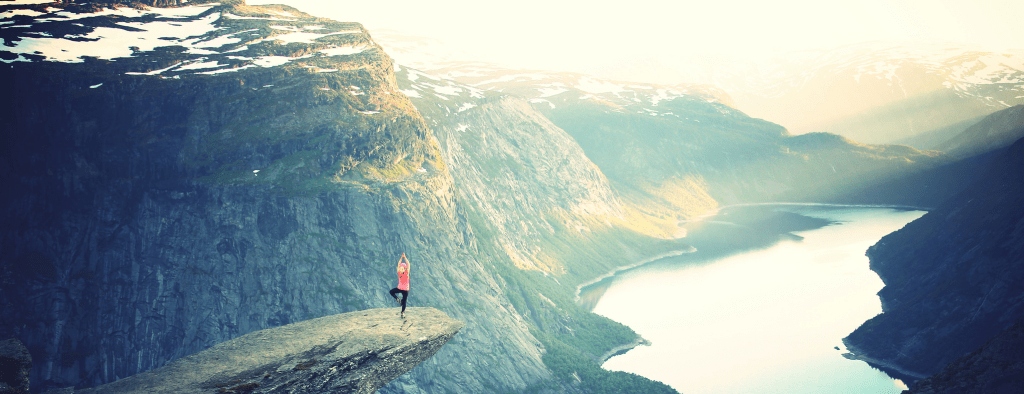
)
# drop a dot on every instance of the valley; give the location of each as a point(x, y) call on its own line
point(179, 175)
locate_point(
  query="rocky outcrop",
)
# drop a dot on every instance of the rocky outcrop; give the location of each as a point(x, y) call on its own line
point(952, 278)
point(15, 365)
point(997, 367)
point(356, 352)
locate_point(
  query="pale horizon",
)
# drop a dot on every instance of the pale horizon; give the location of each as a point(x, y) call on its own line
point(598, 38)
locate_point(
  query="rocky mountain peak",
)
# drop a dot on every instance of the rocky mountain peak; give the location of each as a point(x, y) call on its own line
point(263, 56)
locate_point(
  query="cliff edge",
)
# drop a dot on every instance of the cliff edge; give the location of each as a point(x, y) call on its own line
point(355, 352)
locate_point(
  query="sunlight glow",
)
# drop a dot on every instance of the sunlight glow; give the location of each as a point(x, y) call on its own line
point(594, 36)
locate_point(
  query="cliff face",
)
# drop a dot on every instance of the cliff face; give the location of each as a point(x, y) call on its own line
point(136, 230)
point(546, 219)
point(952, 278)
point(356, 352)
point(524, 176)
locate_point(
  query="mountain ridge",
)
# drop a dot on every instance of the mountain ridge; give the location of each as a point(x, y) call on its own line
point(998, 130)
point(950, 277)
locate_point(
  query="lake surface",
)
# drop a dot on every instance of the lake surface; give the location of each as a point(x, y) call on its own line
point(761, 306)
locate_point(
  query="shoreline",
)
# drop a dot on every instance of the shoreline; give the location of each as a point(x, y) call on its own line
point(579, 288)
point(853, 353)
point(716, 211)
point(622, 349)
point(818, 204)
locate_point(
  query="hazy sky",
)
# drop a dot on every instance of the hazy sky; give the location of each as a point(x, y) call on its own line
point(580, 35)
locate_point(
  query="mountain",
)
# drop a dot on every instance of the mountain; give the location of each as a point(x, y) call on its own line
point(137, 230)
point(971, 155)
point(875, 92)
point(995, 131)
point(545, 216)
point(952, 278)
point(180, 176)
point(250, 167)
point(674, 149)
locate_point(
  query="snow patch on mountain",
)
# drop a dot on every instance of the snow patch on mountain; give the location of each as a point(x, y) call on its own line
point(217, 38)
point(12, 13)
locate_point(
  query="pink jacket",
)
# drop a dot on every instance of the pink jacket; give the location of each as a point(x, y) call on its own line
point(403, 277)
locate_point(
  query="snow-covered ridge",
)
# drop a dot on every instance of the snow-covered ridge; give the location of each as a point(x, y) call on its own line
point(446, 92)
point(437, 97)
point(548, 89)
point(554, 88)
point(195, 39)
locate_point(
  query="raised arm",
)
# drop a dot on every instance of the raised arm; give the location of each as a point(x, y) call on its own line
point(407, 265)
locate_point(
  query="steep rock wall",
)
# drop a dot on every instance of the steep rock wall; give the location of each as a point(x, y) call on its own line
point(136, 232)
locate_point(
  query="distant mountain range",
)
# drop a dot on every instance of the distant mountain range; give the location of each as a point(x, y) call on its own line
point(875, 92)
point(872, 92)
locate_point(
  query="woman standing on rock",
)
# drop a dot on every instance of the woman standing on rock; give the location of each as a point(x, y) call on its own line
point(403, 282)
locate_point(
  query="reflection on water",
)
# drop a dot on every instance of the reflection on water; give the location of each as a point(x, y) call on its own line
point(757, 309)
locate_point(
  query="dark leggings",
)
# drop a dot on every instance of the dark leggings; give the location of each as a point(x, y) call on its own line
point(405, 296)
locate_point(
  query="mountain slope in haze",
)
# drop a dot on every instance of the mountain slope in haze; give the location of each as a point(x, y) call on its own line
point(952, 278)
point(671, 149)
point(971, 156)
point(930, 140)
point(995, 131)
point(875, 92)
point(257, 168)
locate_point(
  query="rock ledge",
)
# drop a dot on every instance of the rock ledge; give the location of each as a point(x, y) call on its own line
point(356, 352)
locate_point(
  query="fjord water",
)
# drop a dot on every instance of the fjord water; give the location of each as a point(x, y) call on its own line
point(766, 318)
